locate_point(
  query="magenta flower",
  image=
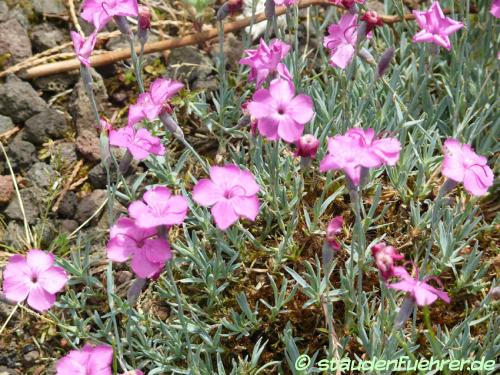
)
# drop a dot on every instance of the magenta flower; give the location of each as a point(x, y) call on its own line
point(89, 360)
point(435, 26)
point(279, 112)
point(358, 149)
point(285, 2)
point(265, 60)
point(158, 207)
point(83, 47)
point(495, 8)
point(140, 142)
point(100, 12)
point(231, 191)
point(341, 40)
point(462, 164)
point(148, 253)
point(34, 277)
point(307, 146)
point(419, 290)
point(347, 3)
point(151, 104)
point(385, 256)
point(334, 228)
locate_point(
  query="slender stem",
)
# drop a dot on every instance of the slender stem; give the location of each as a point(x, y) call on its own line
point(9, 317)
point(136, 61)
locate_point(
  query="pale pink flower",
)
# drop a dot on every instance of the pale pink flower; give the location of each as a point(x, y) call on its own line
point(151, 104)
point(495, 8)
point(334, 228)
point(100, 12)
point(462, 164)
point(285, 2)
point(83, 47)
point(141, 143)
point(148, 252)
point(436, 27)
point(34, 277)
point(232, 193)
point(341, 40)
point(158, 207)
point(385, 256)
point(281, 114)
point(419, 290)
point(89, 360)
point(359, 149)
point(307, 146)
point(265, 60)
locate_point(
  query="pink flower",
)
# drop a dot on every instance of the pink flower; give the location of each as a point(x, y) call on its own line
point(419, 290)
point(144, 17)
point(334, 228)
point(105, 126)
point(83, 47)
point(90, 360)
point(346, 3)
point(279, 112)
point(231, 191)
point(34, 277)
point(265, 60)
point(341, 40)
point(140, 142)
point(495, 8)
point(435, 26)
point(307, 146)
point(359, 149)
point(385, 256)
point(159, 207)
point(372, 20)
point(151, 104)
point(285, 2)
point(133, 372)
point(462, 164)
point(100, 12)
point(129, 241)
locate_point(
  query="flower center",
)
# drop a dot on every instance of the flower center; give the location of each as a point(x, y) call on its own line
point(234, 192)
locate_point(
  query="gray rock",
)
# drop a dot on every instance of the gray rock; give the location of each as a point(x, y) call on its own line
point(97, 177)
point(5, 124)
point(67, 226)
point(21, 154)
point(88, 145)
point(48, 124)
point(45, 36)
point(14, 41)
point(4, 11)
point(80, 107)
point(67, 207)
point(44, 7)
point(32, 198)
point(13, 235)
point(88, 205)
point(56, 83)
point(190, 65)
point(31, 357)
point(42, 175)
point(7, 371)
point(65, 153)
point(19, 101)
point(19, 14)
point(233, 51)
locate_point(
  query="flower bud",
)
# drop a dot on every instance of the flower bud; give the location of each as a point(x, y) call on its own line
point(372, 20)
point(171, 125)
point(307, 146)
point(144, 17)
point(229, 7)
point(122, 24)
point(334, 228)
point(385, 61)
point(270, 9)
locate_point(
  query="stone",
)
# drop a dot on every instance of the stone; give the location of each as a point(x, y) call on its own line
point(56, 83)
point(65, 153)
point(6, 189)
point(5, 124)
point(88, 145)
point(190, 65)
point(7, 371)
point(42, 175)
point(13, 235)
point(32, 199)
point(18, 100)
point(45, 36)
point(89, 205)
point(49, 7)
point(67, 207)
point(21, 154)
point(31, 357)
point(4, 11)
point(80, 107)
point(98, 176)
point(46, 125)
point(14, 41)
point(67, 226)
point(233, 51)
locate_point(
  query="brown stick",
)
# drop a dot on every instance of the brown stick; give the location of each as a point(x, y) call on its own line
point(124, 53)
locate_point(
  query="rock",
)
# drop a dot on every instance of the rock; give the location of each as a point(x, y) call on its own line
point(67, 207)
point(190, 65)
point(7, 371)
point(88, 144)
point(80, 107)
point(46, 231)
point(48, 124)
point(98, 177)
point(233, 51)
point(32, 198)
point(5, 124)
point(21, 153)
point(42, 175)
point(6, 189)
point(65, 153)
point(18, 100)
point(67, 226)
point(20, 15)
point(45, 36)
point(52, 7)
point(4, 11)
point(56, 83)
point(89, 205)
point(14, 235)
point(14, 40)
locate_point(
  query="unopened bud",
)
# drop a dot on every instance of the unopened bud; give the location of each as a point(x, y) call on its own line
point(144, 23)
point(270, 9)
point(307, 146)
point(171, 125)
point(372, 20)
point(229, 7)
point(385, 61)
point(366, 56)
point(122, 24)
